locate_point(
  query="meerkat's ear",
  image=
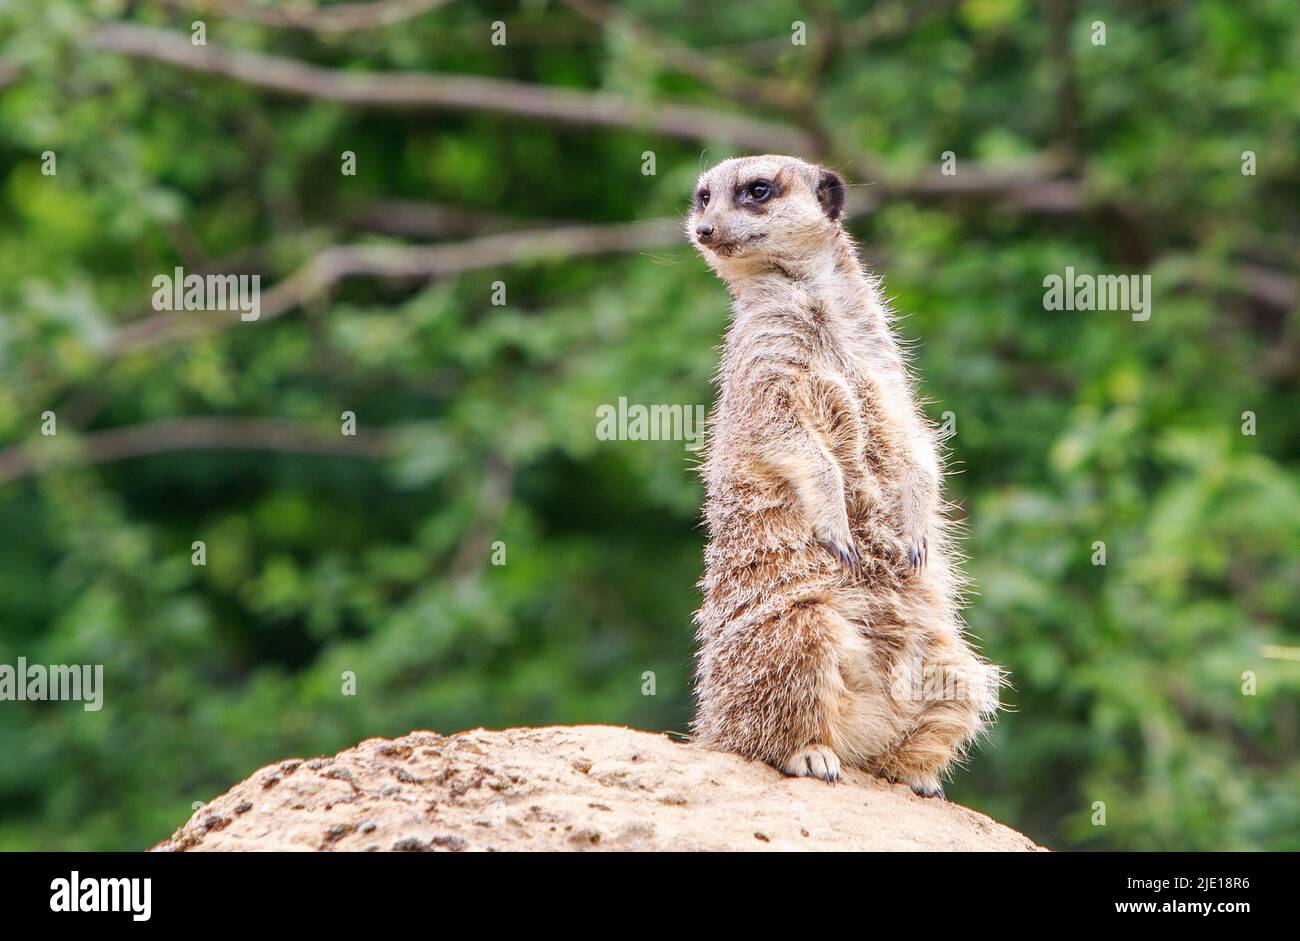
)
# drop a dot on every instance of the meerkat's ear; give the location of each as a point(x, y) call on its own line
point(830, 193)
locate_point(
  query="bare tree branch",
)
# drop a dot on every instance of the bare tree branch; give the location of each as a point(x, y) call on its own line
point(9, 73)
point(191, 434)
point(1030, 189)
point(1265, 287)
point(455, 92)
point(1268, 286)
point(338, 263)
point(1037, 191)
point(334, 18)
point(1034, 185)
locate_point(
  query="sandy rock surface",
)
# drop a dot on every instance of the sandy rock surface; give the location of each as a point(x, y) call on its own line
point(569, 788)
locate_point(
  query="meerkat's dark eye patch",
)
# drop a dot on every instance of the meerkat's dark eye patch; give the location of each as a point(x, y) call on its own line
point(701, 198)
point(755, 193)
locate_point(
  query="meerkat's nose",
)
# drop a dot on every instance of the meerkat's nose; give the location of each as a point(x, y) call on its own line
point(704, 232)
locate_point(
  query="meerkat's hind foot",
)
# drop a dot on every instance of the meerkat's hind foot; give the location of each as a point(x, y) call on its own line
point(925, 785)
point(814, 761)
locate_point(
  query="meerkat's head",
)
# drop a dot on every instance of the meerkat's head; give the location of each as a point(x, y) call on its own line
point(755, 211)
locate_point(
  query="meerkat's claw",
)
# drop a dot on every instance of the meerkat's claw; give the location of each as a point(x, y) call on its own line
point(848, 555)
point(814, 761)
point(918, 554)
point(923, 788)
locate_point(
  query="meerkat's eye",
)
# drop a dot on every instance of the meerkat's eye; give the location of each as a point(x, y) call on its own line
point(760, 191)
point(702, 198)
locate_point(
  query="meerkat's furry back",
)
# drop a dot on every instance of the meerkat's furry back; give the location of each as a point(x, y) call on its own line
point(830, 629)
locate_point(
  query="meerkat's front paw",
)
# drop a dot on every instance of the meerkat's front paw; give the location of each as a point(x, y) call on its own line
point(918, 550)
point(847, 553)
point(840, 542)
point(814, 761)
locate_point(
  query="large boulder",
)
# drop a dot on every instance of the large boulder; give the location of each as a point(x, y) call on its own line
point(586, 787)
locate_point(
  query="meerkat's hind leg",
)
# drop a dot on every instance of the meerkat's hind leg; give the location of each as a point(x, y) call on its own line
point(813, 761)
point(947, 724)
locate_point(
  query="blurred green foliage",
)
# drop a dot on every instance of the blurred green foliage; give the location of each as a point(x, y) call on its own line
point(1071, 427)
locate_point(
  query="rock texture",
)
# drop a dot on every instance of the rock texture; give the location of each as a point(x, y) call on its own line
point(569, 788)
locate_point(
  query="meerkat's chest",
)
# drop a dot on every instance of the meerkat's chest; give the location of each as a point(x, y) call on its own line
point(856, 365)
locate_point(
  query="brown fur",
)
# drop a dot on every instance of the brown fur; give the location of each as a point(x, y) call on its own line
point(830, 590)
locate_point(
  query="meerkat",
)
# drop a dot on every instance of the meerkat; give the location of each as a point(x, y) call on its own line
point(830, 631)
